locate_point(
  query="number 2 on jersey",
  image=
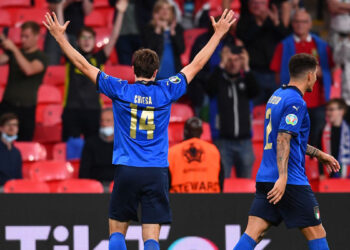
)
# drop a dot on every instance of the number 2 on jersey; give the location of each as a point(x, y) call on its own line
point(147, 115)
point(268, 144)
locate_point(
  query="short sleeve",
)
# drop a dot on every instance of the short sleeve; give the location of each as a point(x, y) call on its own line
point(292, 118)
point(176, 86)
point(109, 85)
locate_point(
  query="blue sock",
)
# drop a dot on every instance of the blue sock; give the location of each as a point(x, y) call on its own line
point(245, 243)
point(151, 245)
point(318, 244)
point(117, 242)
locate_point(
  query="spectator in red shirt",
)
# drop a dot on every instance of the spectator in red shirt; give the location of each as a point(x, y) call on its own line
point(304, 42)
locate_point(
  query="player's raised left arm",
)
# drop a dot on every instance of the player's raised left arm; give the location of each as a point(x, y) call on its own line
point(57, 31)
point(283, 150)
point(221, 27)
point(329, 161)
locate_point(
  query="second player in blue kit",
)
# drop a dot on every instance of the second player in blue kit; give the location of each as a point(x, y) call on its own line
point(283, 192)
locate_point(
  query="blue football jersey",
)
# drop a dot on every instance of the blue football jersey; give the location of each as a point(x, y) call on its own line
point(286, 111)
point(141, 118)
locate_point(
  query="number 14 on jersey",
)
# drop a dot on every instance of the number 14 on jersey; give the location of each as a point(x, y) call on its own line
point(146, 121)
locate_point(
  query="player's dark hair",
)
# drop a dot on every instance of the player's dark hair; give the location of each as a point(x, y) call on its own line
point(339, 101)
point(86, 29)
point(7, 117)
point(31, 25)
point(145, 62)
point(300, 64)
point(193, 128)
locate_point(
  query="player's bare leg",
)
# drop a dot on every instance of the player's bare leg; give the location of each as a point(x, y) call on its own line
point(117, 231)
point(253, 234)
point(150, 236)
point(316, 235)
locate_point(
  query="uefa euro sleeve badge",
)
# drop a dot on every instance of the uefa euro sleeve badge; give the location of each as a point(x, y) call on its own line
point(291, 119)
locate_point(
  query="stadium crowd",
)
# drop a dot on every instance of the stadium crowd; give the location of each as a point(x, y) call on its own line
point(46, 99)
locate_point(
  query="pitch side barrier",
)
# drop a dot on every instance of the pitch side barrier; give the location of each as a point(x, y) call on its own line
point(200, 222)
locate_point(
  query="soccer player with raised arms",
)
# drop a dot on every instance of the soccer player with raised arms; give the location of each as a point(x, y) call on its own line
point(282, 188)
point(141, 119)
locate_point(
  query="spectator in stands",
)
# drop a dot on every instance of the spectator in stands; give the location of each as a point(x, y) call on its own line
point(260, 30)
point(336, 136)
point(11, 160)
point(234, 85)
point(72, 10)
point(165, 36)
point(303, 42)
point(194, 164)
point(340, 20)
point(82, 105)
point(137, 14)
point(27, 68)
point(98, 151)
point(194, 13)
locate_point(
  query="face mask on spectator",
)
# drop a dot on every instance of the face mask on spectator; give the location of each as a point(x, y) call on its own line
point(107, 131)
point(9, 138)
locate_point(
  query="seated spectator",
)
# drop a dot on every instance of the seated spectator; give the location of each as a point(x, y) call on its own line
point(165, 36)
point(340, 20)
point(336, 136)
point(72, 10)
point(261, 30)
point(82, 104)
point(233, 84)
point(194, 13)
point(194, 164)
point(27, 68)
point(303, 42)
point(11, 160)
point(98, 151)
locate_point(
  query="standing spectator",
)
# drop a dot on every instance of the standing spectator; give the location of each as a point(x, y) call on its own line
point(82, 104)
point(11, 160)
point(72, 10)
point(336, 136)
point(194, 164)
point(27, 69)
point(165, 36)
point(194, 13)
point(260, 30)
point(304, 42)
point(137, 14)
point(340, 20)
point(234, 85)
point(98, 151)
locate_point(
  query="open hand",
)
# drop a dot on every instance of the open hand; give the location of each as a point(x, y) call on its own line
point(225, 22)
point(52, 24)
point(277, 192)
point(329, 161)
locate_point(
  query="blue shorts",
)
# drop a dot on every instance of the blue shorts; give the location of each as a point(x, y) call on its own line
point(148, 186)
point(298, 206)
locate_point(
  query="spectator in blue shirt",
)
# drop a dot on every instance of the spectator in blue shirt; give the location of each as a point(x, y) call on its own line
point(11, 160)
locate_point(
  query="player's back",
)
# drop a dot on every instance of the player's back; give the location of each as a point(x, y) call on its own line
point(141, 117)
point(285, 112)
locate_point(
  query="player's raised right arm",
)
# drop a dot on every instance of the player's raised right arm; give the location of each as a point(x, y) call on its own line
point(57, 31)
point(221, 27)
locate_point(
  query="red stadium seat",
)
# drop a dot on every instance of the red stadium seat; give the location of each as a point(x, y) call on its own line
point(206, 135)
point(102, 36)
point(49, 95)
point(52, 115)
point(111, 186)
point(107, 102)
point(32, 14)
point(190, 37)
point(48, 134)
point(101, 3)
point(335, 186)
point(55, 75)
point(59, 152)
point(239, 185)
point(121, 71)
point(15, 3)
point(258, 149)
point(258, 131)
point(259, 112)
point(80, 186)
point(31, 151)
point(95, 19)
point(2, 90)
point(312, 172)
point(51, 171)
point(175, 132)
point(5, 18)
point(336, 86)
point(180, 112)
point(26, 186)
point(4, 72)
point(41, 4)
